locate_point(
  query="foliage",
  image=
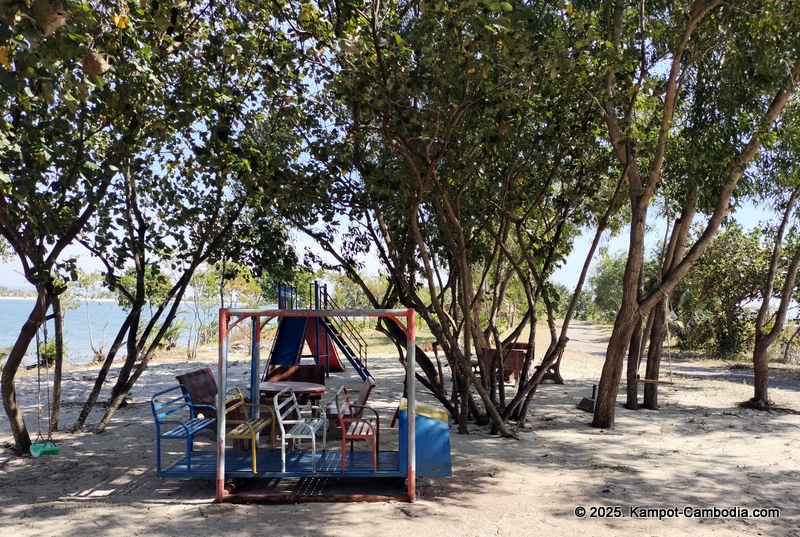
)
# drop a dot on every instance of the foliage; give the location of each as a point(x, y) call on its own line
point(217, 78)
point(711, 301)
point(156, 285)
point(47, 353)
point(5, 250)
point(605, 284)
point(348, 294)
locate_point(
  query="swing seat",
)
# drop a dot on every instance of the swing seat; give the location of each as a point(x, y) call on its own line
point(649, 381)
point(37, 450)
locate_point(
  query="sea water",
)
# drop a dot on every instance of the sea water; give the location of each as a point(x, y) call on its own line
point(94, 322)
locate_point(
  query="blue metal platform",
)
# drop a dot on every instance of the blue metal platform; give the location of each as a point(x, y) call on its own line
point(298, 464)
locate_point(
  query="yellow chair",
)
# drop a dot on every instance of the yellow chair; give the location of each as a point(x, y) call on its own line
point(245, 427)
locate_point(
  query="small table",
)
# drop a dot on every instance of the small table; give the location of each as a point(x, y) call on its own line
point(305, 391)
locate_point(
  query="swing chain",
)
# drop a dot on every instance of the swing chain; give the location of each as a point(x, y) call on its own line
point(40, 439)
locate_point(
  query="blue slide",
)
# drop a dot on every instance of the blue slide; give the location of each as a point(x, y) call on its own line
point(289, 341)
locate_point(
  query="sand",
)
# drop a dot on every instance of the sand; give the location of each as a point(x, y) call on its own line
point(699, 451)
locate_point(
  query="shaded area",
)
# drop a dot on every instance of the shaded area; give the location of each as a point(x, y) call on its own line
point(316, 489)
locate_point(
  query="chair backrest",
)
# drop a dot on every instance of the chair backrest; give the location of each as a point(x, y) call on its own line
point(285, 404)
point(201, 386)
point(303, 373)
point(343, 409)
point(366, 388)
point(235, 408)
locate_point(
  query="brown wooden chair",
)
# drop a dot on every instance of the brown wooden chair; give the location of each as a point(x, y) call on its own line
point(332, 413)
point(202, 388)
point(356, 428)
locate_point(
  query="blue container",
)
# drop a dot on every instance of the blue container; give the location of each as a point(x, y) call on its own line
point(433, 440)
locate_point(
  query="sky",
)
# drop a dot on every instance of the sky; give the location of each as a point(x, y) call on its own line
point(748, 215)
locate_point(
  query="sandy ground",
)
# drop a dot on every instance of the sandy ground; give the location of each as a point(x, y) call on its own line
point(699, 450)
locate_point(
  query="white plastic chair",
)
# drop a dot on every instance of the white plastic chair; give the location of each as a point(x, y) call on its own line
point(300, 427)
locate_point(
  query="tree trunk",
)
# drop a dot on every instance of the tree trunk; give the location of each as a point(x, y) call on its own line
point(761, 373)
point(764, 339)
point(102, 374)
point(22, 439)
point(628, 318)
point(59, 365)
point(612, 368)
point(632, 387)
point(657, 336)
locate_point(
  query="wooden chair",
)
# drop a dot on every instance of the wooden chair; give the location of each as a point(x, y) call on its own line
point(289, 413)
point(356, 428)
point(248, 428)
point(202, 388)
point(332, 414)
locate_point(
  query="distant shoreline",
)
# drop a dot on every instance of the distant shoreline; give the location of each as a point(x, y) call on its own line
point(34, 298)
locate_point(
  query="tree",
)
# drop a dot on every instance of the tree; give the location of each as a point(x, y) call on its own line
point(728, 275)
point(67, 122)
point(441, 148)
point(781, 171)
point(732, 63)
point(216, 82)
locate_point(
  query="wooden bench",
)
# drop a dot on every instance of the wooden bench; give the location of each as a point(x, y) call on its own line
point(554, 371)
point(514, 359)
point(356, 428)
point(177, 419)
point(332, 413)
point(289, 413)
point(246, 427)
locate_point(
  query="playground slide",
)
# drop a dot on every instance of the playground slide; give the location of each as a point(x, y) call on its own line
point(288, 341)
point(317, 334)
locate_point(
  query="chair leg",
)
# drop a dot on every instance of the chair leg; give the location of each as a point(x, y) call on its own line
point(313, 452)
point(253, 453)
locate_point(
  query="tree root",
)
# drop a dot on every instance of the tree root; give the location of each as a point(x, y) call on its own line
point(757, 404)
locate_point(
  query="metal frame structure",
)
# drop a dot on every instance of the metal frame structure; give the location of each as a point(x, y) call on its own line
point(229, 318)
